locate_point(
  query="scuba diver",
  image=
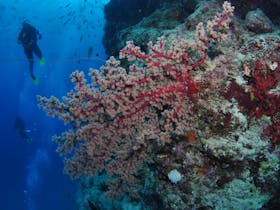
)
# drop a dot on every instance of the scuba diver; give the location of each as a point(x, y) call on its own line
point(23, 132)
point(28, 39)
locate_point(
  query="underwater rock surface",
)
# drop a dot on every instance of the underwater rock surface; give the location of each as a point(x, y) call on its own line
point(141, 21)
point(258, 22)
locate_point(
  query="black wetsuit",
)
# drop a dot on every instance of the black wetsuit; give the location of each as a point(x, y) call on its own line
point(28, 38)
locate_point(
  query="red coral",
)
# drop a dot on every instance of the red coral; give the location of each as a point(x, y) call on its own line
point(123, 114)
point(258, 100)
point(264, 80)
point(247, 105)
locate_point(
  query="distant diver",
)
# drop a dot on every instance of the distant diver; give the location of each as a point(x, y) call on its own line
point(20, 127)
point(90, 51)
point(28, 39)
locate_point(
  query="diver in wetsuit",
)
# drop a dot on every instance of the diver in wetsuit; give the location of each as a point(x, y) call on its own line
point(28, 38)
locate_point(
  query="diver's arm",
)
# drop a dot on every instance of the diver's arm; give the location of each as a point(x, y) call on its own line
point(19, 39)
point(38, 34)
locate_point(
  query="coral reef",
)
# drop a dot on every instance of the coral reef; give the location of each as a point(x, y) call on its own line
point(237, 194)
point(194, 103)
point(237, 145)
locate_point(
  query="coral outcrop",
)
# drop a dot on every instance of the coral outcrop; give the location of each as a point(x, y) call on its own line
point(201, 101)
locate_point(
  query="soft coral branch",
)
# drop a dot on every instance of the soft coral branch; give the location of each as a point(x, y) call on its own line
point(120, 116)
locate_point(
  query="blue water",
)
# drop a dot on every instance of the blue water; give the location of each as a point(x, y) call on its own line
point(32, 175)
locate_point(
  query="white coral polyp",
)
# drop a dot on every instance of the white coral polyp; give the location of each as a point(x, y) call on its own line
point(174, 176)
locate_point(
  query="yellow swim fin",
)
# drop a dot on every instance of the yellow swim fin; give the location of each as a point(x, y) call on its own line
point(42, 61)
point(36, 81)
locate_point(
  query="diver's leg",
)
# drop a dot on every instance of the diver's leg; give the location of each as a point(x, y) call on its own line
point(37, 51)
point(31, 70)
point(29, 55)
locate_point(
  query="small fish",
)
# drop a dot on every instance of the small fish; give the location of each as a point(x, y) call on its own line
point(81, 38)
point(66, 22)
point(70, 13)
point(67, 5)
